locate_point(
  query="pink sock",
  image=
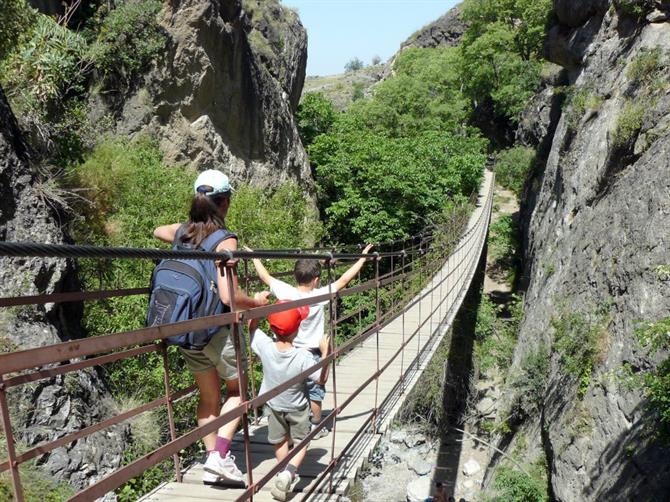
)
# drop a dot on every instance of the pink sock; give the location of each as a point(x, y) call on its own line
point(222, 446)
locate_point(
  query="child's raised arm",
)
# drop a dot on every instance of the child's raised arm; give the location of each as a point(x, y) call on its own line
point(262, 272)
point(351, 272)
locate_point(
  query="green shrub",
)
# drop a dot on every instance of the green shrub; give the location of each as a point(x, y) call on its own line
point(634, 8)
point(646, 66)
point(512, 167)
point(37, 487)
point(128, 39)
point(581, 101)
point(656, 383)
point(581, 343)
point(628, 123)
point(315, 115)
point(530, 382)
point(503, 245)
point(496, 332)
point(354, 64)
point(16, 18)
point(515, 486)
point(501, 51)
point(46, 67)
point(357, 92)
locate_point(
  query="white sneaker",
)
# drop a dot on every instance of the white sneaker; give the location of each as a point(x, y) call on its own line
point(209, 479)
point(224, 468)
point(284, 485)
point(321, 434)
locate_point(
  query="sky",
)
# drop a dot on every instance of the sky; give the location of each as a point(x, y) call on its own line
point(339, 30)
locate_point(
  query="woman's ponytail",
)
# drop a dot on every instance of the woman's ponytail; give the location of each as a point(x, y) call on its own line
point(205, 217)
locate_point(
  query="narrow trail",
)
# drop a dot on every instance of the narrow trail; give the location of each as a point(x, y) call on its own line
point(473, 456)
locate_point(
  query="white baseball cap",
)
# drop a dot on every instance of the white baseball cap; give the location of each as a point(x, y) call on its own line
point(212, 182)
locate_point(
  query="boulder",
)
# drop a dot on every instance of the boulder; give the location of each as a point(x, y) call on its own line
point(471, 467)
point(225, 92)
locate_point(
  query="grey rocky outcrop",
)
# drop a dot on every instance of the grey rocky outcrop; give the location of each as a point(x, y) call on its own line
point(596, 229)
point(223, 94)
point(445, 31)
point(52, 408)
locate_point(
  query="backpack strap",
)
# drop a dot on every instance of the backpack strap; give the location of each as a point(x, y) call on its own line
point(212, 241)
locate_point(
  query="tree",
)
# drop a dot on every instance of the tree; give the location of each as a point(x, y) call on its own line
point(354, 64)
point(376, 60)
point(315, 116)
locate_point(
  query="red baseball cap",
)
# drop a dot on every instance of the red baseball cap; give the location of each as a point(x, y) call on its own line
point(287, 322)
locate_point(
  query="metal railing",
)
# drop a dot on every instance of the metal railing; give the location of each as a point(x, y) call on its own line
point(413, 264)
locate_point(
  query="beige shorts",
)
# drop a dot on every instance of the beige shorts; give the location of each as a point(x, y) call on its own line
point(285, 424)
point(218, 354)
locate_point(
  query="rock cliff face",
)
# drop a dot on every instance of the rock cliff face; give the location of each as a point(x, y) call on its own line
point(445, 31)
point(596, 227)
point(224, 93)
point(51, 408)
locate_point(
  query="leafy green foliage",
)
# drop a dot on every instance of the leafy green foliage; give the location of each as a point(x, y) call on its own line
point(524, 19)
point(354, 64)
point(501, 51)
point(36, 486)
point(646, 67)
point(16, 18)
point(391, 161)
point(128, 39)
point(581, 101)
point(530, 383)
point(46, 67)
point(516, 486)
point(376, 188)
point(656, 383)
point(580, 342)
point(315, 115)
point(503, 246)
point(496, 332)
point(628, 123)
point(512, 167)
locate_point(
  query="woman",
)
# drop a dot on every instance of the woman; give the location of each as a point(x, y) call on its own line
point(217, 360)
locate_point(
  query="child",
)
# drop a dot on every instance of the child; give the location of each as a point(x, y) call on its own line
point(289, 411)
point(312, 334)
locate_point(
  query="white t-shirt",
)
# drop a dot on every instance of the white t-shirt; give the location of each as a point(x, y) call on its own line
point(281, 366)
point(311, 329)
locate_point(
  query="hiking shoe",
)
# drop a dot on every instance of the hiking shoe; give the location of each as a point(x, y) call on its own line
point(209, 479)
point(283, 485)
point(224, 468)
point(321, 434)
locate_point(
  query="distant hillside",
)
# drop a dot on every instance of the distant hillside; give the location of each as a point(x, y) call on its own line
point(344, 88)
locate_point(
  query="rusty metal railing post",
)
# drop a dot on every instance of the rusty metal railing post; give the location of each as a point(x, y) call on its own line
point(421, 288)
point(332, 331)
point(9, 437)
point(392, 289)
point(377, 324)
point(242, 374)
point(250, 353)
point(402, 354)
point(168, 405)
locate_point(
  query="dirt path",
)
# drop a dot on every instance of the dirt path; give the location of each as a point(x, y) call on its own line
point(473, 456)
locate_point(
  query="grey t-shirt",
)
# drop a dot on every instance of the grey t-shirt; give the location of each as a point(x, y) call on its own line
point(278, 367)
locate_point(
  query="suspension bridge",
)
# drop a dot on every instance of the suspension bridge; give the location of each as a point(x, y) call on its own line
point(426, 280)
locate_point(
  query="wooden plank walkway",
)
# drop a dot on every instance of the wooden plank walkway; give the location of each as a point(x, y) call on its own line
point(352, 370)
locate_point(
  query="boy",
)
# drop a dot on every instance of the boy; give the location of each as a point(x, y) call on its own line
point(289, 411)
point(312, 334)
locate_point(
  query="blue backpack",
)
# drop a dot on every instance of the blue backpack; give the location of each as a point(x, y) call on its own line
point(187, 289)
